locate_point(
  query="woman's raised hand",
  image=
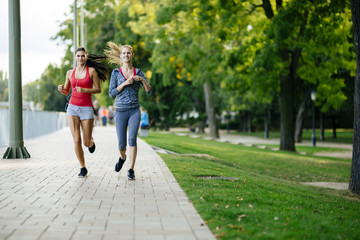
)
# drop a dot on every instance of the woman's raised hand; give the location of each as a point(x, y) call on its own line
point(61, 88)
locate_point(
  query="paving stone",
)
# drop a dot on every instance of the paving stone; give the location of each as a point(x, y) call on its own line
point(42, 197)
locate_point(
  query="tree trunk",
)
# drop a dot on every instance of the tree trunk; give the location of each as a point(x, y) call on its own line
point(334, 126)
point(248, 122)
point(240, 121)
point(266, 135)
point(301, 116)
point(210, 111)
point(201, 126)
point(201, 120)
point(287, 128)
point(287, 121)
point(354, 185)
point(322, 129)
point(243, 124)
point(166, 127)
point(268, 9)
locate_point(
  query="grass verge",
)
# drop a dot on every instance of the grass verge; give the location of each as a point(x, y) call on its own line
point(267, 199)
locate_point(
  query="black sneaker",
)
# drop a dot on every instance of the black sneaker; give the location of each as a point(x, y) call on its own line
point(119, 164)
point(92, 149)
point(131, 174)
point(83, 172)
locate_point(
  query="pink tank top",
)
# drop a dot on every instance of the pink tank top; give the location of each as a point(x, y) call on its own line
point(81, 99)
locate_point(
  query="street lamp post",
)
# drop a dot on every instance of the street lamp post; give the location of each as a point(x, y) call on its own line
point(16, 147)
point(313, 137)
point(74, 31)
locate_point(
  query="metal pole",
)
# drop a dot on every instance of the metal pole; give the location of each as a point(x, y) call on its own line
point(313, 137)
point(16, 147)
point(82, 32)
point(78, 36)
point(85, 41)
point(75, 32)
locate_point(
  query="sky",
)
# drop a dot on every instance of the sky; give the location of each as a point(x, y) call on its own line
point(40, 20)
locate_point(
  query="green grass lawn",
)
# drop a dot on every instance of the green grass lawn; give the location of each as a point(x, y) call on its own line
point(267, 199)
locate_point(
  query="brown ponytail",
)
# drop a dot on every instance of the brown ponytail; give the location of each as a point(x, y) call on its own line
point(97, 62)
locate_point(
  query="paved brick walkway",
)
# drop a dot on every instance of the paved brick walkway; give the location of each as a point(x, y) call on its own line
point(42, 197)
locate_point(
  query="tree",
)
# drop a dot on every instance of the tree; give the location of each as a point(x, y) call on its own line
point(190, 24)
point(45, 89)
point(354, 185)
point(31, 91)
point(298, 37)
point(190, 34)
point(50, 97)
point(210, 49)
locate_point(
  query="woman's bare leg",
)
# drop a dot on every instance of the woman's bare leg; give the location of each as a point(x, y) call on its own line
point(87, 127)
point(133, 153)
point(74, 123)
point(123, 153)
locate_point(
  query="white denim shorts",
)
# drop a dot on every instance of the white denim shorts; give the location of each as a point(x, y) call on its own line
point(82, 112)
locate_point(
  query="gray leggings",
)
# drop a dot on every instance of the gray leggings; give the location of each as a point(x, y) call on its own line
point(123, 119)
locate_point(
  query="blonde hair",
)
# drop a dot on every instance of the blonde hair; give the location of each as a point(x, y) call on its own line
point(113, 52)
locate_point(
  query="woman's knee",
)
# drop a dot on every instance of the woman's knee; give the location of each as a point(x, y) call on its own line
point(77, 140)
point(122, 144)
point(87, 142)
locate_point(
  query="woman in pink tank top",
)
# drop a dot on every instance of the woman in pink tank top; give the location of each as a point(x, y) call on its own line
point(84, 81)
